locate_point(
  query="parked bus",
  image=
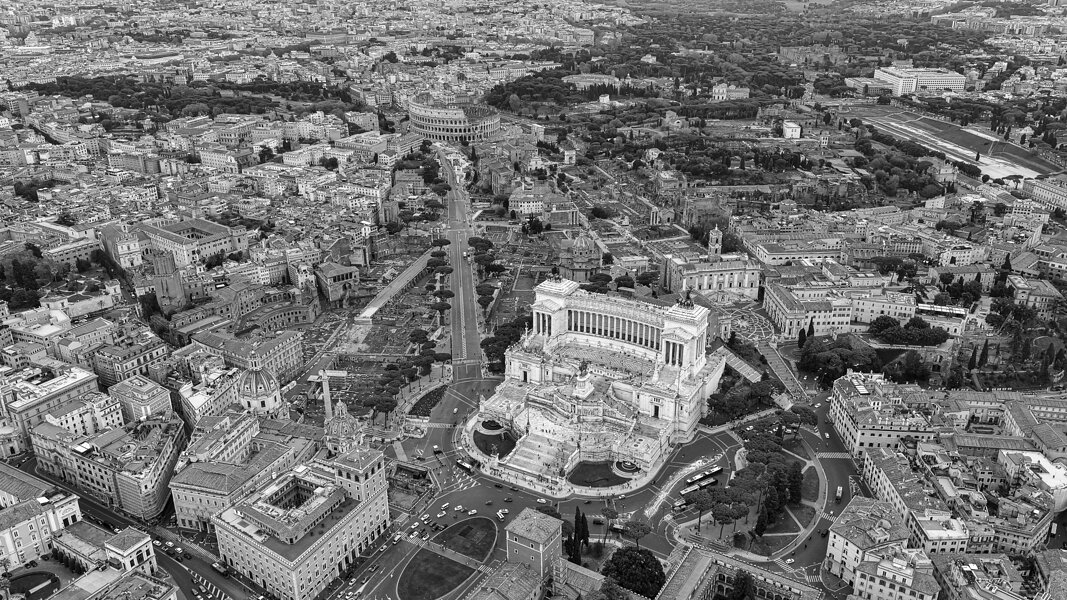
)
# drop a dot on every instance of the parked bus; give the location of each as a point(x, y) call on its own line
point(703, 475)
point(465, 466)
point(700, 485)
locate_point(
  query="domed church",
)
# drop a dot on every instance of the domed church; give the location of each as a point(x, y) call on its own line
point(259, 392)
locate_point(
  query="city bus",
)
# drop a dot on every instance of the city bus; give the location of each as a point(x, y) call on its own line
point(700, 485)
point(703, 475)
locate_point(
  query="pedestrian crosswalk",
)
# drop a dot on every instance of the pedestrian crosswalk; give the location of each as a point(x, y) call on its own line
point(828, 516)
point(845, 455)
point(813, 578)
point(781, 564)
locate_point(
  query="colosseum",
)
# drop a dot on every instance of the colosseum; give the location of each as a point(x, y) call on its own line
point(453, 122)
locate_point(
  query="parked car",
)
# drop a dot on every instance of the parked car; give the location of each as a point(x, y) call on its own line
point(441, 514)
point(542, 501)
point(458, 508)
point(472, 512)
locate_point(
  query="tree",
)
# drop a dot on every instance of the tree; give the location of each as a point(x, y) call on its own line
point(811, 328)
point(647, 278)
point(66, 219)
point(742, 586)
point(703, 502)
point(796, 482)
point(723, 514)
point(637, 570)
point(984, 356)
point(607, 259)
point(973, 362)
point(609, 514)
point(635, 530)
point(34, 249)
point(801, 338)
point(761, 522)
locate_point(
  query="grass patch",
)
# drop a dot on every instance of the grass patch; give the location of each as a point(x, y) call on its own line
point(504, 443)
point(598, 474)
point(767, 546)
point(795, 446)
point(424, 405)
point(473, 537)
point(785, 524)
point(810, 488)
point(429, 576)
point(804, 514)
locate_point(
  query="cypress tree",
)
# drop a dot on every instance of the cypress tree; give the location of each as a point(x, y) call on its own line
point(971, 364)
point(984, 356)
point(811, 328)
point(801, 338)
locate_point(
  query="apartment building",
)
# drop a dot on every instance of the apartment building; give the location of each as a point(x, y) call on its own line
point(964, 576)
point(868, 412)
point(896, 574)
point(863, 528)
point(32, 512)
point(132, 354)
point(30, 393)
point(302, 529)
point(212, 395)
point(127, 467)
point(93, 413)
point(140, 398)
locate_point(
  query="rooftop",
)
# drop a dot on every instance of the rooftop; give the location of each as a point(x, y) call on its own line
point(869, 523)
point(535, 525)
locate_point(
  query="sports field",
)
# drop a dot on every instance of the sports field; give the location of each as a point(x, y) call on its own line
point(998, 158)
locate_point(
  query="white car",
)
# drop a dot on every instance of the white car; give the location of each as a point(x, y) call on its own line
point(542, 501)
point(458, 508)
point(472, 512)
point(441, 514)
point(789, 561)
point(826, 435)
point(504, 510)
point(426, 517)
point(818, 405)
point(444, 506)
point(416, 524)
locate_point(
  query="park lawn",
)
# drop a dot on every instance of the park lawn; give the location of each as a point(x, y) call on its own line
point(429, 576)
point(803, 513)
point(795, 446)
point(473, 537)
point(785, 524)
point(810, 488)
point(767, 546)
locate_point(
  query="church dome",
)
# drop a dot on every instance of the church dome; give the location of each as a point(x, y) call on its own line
point(258, 390)
point(582, 243)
